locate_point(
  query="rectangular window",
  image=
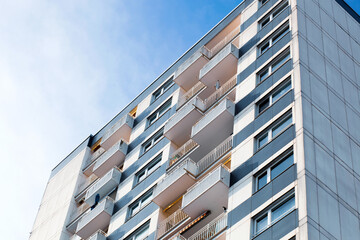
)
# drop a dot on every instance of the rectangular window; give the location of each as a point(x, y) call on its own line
point(151, 167)
point(274, 65)
point(276, 36)
point(152, 140)
point(162, 89)
point(276, 94)
point(273, 14)
point(159, 112)
point(276, 129)
point(263, 2)
point(274, 213)
point(275, 169)
point(141, 233)
point(140, 203)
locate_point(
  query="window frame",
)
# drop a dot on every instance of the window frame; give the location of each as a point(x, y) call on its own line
point(268, 213)
point(270, 69)
point(270, 97)
point(269, 130)
point(153, 163)
point(139, 203)
point(279, 33)
point(271, 15)
point(158, 113)
point(162, 89)
point(269, 167)
point(135, 234)
point(152, 141)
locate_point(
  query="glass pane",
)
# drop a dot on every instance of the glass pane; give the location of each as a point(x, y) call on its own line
point(146, 200)
point(262, 180)
point(278, 11)
point(134, 209)
point(281, 166)
point(283, 209)
point(264, 48)
point(263, 105)
point(154, 166)
point(147, 146)
point(261, 223)
point(279, 128)
point(141, 177)
point(158, 136)
point(264, 75)
point(164, 108)
point(281, 91)
point(280, 35)
point(263, 23)
point(280, 62)
point(157, 94)
point(167, 84)
point(142, 234)
point(262, 140)
point(152, 119)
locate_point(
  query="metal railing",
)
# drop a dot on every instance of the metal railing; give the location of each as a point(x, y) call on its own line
point(170, 222)
point(212, 229)
point(189, 94)
point(214, 155)
point(180, 152)
point(218, 94)
point(220, 45)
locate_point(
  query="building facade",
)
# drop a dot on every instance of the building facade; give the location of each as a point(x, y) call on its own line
point(254, 133)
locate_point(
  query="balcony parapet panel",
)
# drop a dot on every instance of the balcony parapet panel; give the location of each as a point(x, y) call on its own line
point(120, 130)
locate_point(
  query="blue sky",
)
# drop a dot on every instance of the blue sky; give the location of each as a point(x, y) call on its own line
point(67, 67)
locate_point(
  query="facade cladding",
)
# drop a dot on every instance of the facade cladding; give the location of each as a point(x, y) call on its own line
point(254, 133)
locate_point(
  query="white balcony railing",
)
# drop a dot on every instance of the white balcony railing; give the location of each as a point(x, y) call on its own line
point(189, 94)
point(78, 213)
point(218, 94)
point(169, 223)
point(214, 155)
point(212, 229)
point(180, 152)
point(93, 157)
point(228, 38)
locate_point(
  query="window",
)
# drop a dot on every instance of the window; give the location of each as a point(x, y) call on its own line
point(162, 89)
point(274, 65)
point(151, 167)
point(159, 112)
point(274, 131)
point(263, 2)
point(141, 233)
point(152, 141)
point(140, 203)
point(274, 13)
point(274, 214)
point(274, 170)
point(277, 93)
point(282, 31)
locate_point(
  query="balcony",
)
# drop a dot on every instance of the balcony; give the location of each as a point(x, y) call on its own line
point(173, 223)
point(88, 169)
point(98, 218)
point(103, 186)
point(99, 235)
point(178, 127)
point(187, 73)
point(215, 228)
point(115, 156)
point(221, 67)
point(175, 183)
point(216, 125)
point(199, 86)
point(120, 130)
point(75, 217)
point(181, 152)
point(208, 194)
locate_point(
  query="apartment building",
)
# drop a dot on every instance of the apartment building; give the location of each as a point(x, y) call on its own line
point(254, 133)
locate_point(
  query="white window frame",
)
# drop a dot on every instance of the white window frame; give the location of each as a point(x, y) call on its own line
point(269, 168)
point(268, 213)
point(269, 69)
point(273, 92)
point(152, 141)
point(140, 203)
point(160, 91)
point(156, 162)
point(270, 16)
point(159, 112)
point(269, 132)
point(270, 41)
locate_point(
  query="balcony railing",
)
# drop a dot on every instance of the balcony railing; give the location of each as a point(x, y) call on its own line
point(177, 237)
point(214, 155)
point(183, 150)
point(228, 38)
point(93, 157)
point(169, 223)
point(76, 215)
point(98, 235)
point(212, 229)
point(218, 94)
point(189, 94)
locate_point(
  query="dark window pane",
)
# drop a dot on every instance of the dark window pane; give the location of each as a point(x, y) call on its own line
point(280, 35)
point(281, 126)
point(264, 47)
point(262, 180)
point(263, 140)
point(261, 223)
point(280, 61)
point(281, 91)
point(264, 75)
point(263, 105)
point(281, 166)
point(283, 209)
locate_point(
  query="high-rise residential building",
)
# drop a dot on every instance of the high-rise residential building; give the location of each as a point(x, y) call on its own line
point(254, 133)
